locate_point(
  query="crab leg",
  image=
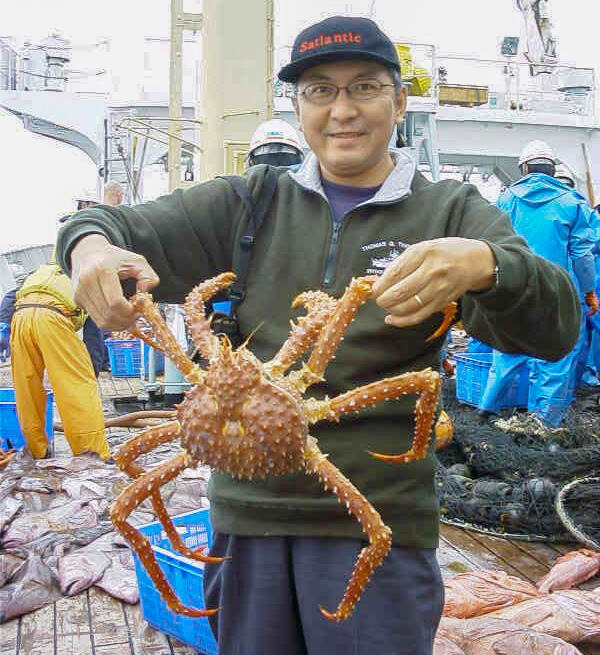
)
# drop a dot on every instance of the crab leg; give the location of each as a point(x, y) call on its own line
point(356, 294)
point(199, 325)
point(449, 314)
point(139, 333)
point(380, 535)
point(427, 383)
point(142, 303)
point(320, 307)
point(140, 489)
point(143, 443)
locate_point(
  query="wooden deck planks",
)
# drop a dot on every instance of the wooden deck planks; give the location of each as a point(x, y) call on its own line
point(38, 632)
point(482, 557)
point(107, 624)
point(72, 625)
point(9, 635)
point(146, 641)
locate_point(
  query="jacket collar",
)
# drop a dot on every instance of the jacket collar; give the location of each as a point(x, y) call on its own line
point(395, 187)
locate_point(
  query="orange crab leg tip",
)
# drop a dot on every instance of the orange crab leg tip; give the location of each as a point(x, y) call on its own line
point(386, 458)
point(449, 314)
point(210, 560)
point(328, 615)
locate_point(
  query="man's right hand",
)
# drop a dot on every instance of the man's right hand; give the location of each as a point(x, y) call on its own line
point(97, 270)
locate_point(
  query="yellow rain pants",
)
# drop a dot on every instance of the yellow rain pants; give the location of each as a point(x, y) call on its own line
point(44, 339)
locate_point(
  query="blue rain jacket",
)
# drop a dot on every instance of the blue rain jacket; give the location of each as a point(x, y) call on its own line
point(556, 221)
point(558, 224)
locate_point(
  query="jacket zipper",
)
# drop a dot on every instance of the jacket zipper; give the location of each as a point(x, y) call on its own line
point(335, 237)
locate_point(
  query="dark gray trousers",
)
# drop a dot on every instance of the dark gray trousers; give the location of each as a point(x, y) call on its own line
point(270, 590)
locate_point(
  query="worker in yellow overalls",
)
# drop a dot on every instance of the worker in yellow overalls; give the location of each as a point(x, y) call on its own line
point(44, 336)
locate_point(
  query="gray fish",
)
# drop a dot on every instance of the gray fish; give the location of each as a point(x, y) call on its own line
point(183, 501)
point(82, 489)
point(8, 481)
point(33, 502)
point(32, 587)
point(79, 570)
point(72, 464)
point(9, 508)
point(61, 543)
point(41, 485)
point(119, 579)
point(67, 517)
point(8, 566)
point(22, 462)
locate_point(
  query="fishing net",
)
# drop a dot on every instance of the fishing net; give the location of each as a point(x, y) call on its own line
point(504, 476)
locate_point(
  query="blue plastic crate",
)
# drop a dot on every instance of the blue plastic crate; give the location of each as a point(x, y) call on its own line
point(10, 430)
point(184, 576)
point(125, 357)
point(472, 372)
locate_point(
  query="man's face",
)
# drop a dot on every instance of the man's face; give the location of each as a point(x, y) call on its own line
point(350, 138)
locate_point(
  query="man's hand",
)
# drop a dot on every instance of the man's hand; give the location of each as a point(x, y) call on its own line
point(98, 268)
point(591, 300)
point(429, 275)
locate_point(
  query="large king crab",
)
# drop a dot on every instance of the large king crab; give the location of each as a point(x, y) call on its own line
point(249, 419)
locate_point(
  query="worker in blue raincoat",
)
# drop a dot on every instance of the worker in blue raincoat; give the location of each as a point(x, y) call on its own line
point(587, 368)
point(590, 368)
point(557, 224)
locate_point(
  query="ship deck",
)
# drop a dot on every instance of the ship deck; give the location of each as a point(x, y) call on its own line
point(94, 623)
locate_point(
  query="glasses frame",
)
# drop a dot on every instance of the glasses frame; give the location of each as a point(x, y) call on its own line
point(346, 88)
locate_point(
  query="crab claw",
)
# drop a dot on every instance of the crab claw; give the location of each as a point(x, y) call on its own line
point(408, 456)
point(330, 616)
point(449, 314)
point(198, 554)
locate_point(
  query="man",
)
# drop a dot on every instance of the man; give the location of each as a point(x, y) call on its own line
point(7, 309)
point(113, 193)
point(588, 360)
point(557, 224)
point(565, 175)
point(43, 336)
point(275, 143)
point(354, 207)
point(93, 336)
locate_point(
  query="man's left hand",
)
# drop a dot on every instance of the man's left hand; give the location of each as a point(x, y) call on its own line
point(429, 275)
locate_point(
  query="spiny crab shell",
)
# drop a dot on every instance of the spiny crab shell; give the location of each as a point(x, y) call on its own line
point(240, 422)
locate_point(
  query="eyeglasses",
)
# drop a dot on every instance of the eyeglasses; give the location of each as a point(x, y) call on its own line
point(324, 93)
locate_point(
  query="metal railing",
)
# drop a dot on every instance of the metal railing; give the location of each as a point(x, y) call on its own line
point(502, 84)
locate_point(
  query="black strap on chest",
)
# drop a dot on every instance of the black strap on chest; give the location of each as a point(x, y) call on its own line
point(254, 219)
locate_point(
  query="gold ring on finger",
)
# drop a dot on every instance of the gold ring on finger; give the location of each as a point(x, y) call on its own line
point(419, 300)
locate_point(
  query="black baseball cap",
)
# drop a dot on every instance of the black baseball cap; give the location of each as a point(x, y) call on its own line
point(339, 38)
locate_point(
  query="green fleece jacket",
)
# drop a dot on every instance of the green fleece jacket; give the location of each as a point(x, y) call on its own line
point(190, 235)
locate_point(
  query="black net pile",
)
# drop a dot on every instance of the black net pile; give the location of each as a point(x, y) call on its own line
point(504, 476)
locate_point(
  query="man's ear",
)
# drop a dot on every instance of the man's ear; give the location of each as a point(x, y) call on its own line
point(401, 102)
point(296, 107)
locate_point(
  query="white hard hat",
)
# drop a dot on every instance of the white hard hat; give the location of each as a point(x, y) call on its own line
point(275, 131)
point(563, 171)
point(537, 150)
point(87, 194)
